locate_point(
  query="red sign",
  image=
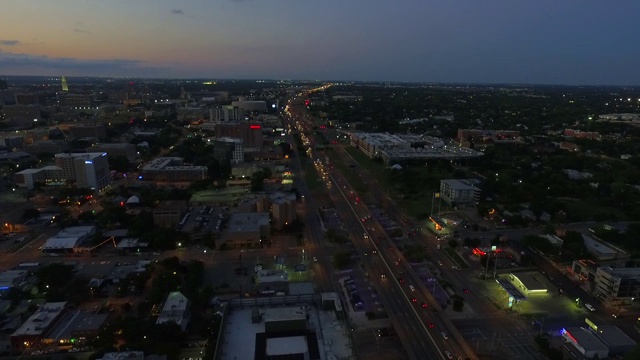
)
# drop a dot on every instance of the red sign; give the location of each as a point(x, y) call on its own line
point(255, 127)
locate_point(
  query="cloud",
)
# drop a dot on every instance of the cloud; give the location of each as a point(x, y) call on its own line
point(20, 63)
point(9, 42)
point(177, 12)
point(81, 31)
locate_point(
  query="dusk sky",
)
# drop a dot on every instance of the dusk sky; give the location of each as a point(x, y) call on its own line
point(496, 41)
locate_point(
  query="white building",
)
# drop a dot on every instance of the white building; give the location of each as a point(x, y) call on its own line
point(460, 191)
point(88, 170)
point(68, 239)
point(175, 309)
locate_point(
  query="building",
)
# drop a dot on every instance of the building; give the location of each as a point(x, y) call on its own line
point(617, 286)
point(12, 278)
point(249, 105)
point(32, 331)
point(114, 150)
point(373, 143)
point(581, 134)
point(28, 178)
point(63, 82)
point(68, 240)
point(585, 342)
point(77, 101)
point(247, 229)
point(615, 339)
point(172, 169)
point(283, 209)
point(584, 270)
point(88, 170)
point(226, 113)
point(600, 250)
point(169, 213)
point(77, 327)
point(249, 132)
point(528, 283)
point(28, 113)
point(88, 131)
point(460, 191)
point(227, 149)
point(47, 147)
point(478, 138)
point(176, 310)
point(14, 142)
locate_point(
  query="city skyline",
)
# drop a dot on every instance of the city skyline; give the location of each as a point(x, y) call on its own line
point(462, 42)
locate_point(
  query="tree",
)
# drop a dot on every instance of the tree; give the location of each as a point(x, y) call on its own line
point(342, 260)
point(208, 240)
point(453, 243)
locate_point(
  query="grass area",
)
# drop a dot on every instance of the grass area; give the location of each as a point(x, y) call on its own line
point(311, 177)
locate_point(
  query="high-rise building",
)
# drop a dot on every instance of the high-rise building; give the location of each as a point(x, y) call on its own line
point(65, 87)
point(226, 113)
point(228, 149)
point(250, 133)
point(88, 170)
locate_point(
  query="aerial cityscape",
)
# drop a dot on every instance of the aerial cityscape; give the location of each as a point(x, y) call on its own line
point(241, 180)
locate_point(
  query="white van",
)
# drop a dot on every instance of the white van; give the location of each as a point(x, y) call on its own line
point(590, 307)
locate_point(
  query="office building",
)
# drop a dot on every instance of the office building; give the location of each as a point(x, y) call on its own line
point(373, 143)
point(28, 178)
point(88, 170)
point(249, 133)
point(617, 286)
point(249, 105)
point(459, 191)
point(228, 150)
point(226, 113)
point(172, 169)
point(77, 101)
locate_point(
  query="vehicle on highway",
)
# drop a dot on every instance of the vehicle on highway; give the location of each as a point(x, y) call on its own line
point(444, 335)
point(448, 353)
point(424, 305)
point(383, 276)
point(412, 288)
point(466, 291)
point(414, 300)
point(431, 325)
point(401, 280)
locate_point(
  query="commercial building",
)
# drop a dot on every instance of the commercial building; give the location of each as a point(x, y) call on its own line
point(172, 169)
point(373, 143)
point(585, 342)
point(169, 213)
point(14, 142)
point(32, 331)
point(228, 150)
point(68, 240)
point(176, 310)
point(528, 283)
point(249, 132)
point(114, 150)
point(460, 191)
point(599, 250)
point(617, 286)
point(247, 229)
point(479, 138)
point(47, 147)
point(76, 327)
point(88, 170)
point(77, 101)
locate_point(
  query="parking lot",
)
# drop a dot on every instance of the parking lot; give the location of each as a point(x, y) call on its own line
point(360, 293)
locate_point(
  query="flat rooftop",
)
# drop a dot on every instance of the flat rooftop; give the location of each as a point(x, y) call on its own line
point(287, 345)
point(241, 335)
point(586, 339)
point(530, 280)
point(612, 336)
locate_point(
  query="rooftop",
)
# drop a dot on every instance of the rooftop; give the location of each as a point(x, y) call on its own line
point(586, 339)
point(247, 221)
point(40, 321)
point(612, 336)
point(174, 309)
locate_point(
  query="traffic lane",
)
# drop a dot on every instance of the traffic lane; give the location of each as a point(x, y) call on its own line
point(389, 297)
point(418, 329)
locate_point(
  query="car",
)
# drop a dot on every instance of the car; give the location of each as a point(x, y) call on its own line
point(439, 262)
point(401, 280)
point(374, 251)
point(315, 259)
point(430, 325)
point(424, 305)
point(444, 335)
point(402, 273)
point(414, 300)
point(383, 276)
point(448, 353)
point(434, 311)
point(37, 352)
point(466, 291)
point(616, 316)
point(412, 288)
point(590, 307)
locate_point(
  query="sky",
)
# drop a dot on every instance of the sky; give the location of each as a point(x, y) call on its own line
point(573, 42)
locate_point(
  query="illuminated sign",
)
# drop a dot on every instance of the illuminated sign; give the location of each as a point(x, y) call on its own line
point(88, 162)
point(565, 332)
point(254, 127)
